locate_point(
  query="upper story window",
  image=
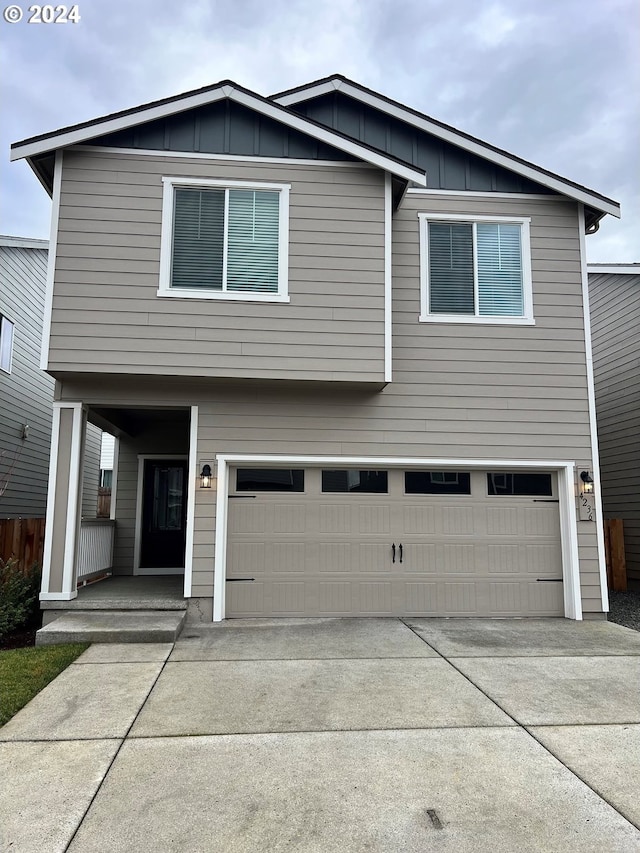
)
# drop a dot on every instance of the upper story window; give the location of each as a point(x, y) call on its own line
point(224, 240)
point(475, 269)
point(6, 344)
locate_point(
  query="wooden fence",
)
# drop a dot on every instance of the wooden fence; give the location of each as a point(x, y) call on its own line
point(22, 538)
point(614, 552)
point(104, 502)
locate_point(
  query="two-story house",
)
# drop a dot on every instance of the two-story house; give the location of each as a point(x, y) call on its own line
point(345, 351)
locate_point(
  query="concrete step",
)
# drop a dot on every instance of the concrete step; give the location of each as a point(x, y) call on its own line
point(113, 626)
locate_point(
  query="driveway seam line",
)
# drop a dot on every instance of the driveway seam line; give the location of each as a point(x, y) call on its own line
point(116, 754)
point(526, 730)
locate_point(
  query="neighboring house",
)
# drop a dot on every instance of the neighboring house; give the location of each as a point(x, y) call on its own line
point(615, 317)
point(344, 348)
point(26, 391)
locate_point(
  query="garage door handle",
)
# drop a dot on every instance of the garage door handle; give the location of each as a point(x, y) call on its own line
point(393, 553)
point(401, 552)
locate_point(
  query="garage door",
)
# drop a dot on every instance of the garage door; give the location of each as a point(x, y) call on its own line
point(329, 542)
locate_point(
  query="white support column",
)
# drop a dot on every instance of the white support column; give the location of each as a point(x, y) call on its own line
point(64, 502)
point(192, 475)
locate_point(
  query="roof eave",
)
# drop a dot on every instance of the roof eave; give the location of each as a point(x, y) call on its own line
point(448, 134)
point(75, 135)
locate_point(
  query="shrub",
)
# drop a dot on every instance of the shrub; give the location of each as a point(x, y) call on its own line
point(19, 607)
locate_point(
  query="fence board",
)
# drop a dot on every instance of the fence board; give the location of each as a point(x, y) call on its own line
point(614, 553)
point(22, 538)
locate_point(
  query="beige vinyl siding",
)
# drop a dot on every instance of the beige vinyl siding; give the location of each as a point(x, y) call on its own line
point(615, 324)
point(107, 317)
point(91, 471)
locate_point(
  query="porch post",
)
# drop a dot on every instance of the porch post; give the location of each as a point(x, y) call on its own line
point(64, 502)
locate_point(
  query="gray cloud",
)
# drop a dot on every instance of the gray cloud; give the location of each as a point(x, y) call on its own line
point(555, 83)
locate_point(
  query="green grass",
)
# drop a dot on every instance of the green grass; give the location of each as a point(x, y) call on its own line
point(25, 672)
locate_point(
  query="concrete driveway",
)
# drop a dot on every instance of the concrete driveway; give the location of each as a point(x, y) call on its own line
point(335, 735)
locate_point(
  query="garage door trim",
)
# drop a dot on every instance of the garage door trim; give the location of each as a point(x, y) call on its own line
point(566, 479)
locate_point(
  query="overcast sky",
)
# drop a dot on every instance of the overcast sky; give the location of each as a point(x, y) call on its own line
point(553, 81)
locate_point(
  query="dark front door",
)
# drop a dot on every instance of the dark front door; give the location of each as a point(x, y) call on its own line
point(164, 514)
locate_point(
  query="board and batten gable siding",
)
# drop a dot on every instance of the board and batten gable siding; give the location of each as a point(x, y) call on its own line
point(107, 317)
point(615, 326)
point(26, 394)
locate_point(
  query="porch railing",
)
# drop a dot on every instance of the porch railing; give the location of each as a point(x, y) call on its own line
point(95, 547)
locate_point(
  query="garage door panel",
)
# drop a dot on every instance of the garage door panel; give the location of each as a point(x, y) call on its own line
point(246, 599)
point(373, 519)
point(334, 597)
point(331, 554)
point(375, 598)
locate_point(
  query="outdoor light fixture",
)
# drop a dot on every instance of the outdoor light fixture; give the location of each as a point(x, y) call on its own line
point(205, 477)
point(587, 482)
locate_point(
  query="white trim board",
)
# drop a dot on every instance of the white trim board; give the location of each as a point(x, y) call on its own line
point(192, 474)
point(454, 137)
point(233, 158)
point(137, 541)
point(591, 398)
point(485, 194)
point(616, 269)
point(23, 242)
point(566, 490)
point(388, 278)
point(51, 261)
point(102, 126)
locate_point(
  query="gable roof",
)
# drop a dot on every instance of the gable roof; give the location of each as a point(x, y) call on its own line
point(449, 134)
point(78, 133)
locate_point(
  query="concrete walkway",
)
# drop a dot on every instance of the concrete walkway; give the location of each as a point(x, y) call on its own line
point(335, 735)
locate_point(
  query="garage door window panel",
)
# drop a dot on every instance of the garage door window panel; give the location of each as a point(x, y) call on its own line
point(519, 484)
point(437, 483)
point(270, 480)
point(351, 480)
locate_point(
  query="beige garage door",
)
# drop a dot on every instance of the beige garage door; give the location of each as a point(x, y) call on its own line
point(343, 542)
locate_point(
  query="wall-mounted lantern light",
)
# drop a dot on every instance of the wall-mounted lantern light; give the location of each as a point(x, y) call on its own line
point(587, 482)
point(205, 477)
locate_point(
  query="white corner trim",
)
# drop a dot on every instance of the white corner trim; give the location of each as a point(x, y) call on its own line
point(527, 318)
point(137, 542)
point(593, 425)
point(460, 140)
point(388, 279)
point(568, 525)
point(160, 153)
point(51, 503)
point(220, 558)
point(51, 261)
point(114, 478)
point(192, 474)
point(569, 543)
point(169, 184)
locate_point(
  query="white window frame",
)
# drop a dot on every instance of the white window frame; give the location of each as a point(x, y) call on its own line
point(526, 319)
point(166, 242)
point(5, 324)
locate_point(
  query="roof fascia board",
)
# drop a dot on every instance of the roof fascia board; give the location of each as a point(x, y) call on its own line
point(449, 135)
point(614, 269)
point(23, 242)
point(269, 109)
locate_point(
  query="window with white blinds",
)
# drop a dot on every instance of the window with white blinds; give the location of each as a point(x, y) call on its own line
point(475, 270)
point(224, 241)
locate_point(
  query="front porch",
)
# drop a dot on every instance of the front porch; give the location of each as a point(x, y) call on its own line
point(150, 609)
